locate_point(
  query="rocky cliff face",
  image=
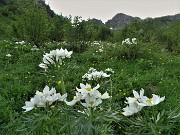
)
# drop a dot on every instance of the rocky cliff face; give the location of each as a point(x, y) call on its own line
point(169, 18)
point(119, 20)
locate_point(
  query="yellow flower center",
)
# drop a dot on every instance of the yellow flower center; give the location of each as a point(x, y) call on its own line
point(75, 98)
point(91, 103)
point(149, 100)
point(88, 89)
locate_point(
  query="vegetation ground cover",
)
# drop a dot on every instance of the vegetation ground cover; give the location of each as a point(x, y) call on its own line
point(152, 64)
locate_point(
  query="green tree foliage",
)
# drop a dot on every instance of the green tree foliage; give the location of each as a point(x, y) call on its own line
point(57, 28)
point(32, 25)
point(77, 34)
point(168, 37)
point(104, 33)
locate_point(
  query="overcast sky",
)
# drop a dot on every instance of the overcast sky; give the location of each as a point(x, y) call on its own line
point(106, 9)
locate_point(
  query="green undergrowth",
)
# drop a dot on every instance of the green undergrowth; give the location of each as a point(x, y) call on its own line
point(149, 67)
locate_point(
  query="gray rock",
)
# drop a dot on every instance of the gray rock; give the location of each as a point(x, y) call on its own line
point(119, 20)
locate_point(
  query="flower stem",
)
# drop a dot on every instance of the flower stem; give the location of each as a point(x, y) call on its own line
point(91, 119)
point(62, 85)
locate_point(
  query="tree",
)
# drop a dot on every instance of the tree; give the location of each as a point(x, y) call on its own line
point(32, 25)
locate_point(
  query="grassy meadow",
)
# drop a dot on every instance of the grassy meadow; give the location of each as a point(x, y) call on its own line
point(152, 68)
point(67, 76)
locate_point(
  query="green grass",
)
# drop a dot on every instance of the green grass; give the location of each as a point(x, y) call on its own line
point(153, 69)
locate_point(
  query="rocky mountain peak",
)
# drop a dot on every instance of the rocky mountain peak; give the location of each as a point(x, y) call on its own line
point(119, 20)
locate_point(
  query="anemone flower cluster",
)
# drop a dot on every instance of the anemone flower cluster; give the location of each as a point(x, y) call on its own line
point(93, 74)
point(55, 57)
point(8, 55)
point(43, 99)
point(128, 42)
point(34, 48)
point(20, 42)
point(136, 103)
point(95, 43)
point(89, 97)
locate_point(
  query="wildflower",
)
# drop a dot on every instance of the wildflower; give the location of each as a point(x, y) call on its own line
point(42, 65)
point(59, 82)
point(61, 97)
point(136, 103)
point(109, 70)
point(133, 103)
point(91, 69)
point(86, 89)
point(91, 101)
point(8, 55)
point(42, 99)
point(100, 50)
point(34, 48)
point(131, 109)
point(99, 95)
point(55, 57)
point(137, 97)
point(75, 99)
point(63, 53)
point(134, 41)
point(21, 42)
point(126, 41)
point(93, 74)
point(29, 105)
point(91, 96)
point(151, 101)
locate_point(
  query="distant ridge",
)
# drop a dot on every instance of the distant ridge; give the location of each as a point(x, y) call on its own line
point(119, 20)
point(168, 18)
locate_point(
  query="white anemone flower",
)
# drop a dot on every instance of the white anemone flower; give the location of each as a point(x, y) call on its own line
point(91, 101)
point(29, 105)
point(109, 70)
point(63, 53)
point(91, 96)
point(137, 97)
point(8, 55)
point(42, 65)
point(131, 109)
point(97, 94)
point(51, 98)
point(61, 97)
point(75, 99)
point(47, 91)
point(93, 74)
point(134, 41)
point(100, 50)
point(91, 69)
point(126, 41)
point(87, 89)
point(42, 99)
point(48, 59)
point(151, 101)
point(55, 57)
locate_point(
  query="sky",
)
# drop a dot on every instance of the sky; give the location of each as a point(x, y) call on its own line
point(106, 9)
